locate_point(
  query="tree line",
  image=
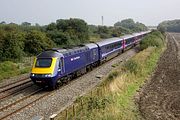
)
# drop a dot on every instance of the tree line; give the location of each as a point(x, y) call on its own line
point(17, 41)
point(169, 26)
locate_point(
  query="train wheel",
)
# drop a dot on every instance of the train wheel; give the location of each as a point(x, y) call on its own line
point(123, 51)
point(53, 87)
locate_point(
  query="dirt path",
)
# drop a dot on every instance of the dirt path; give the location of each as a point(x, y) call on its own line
point(160, 97)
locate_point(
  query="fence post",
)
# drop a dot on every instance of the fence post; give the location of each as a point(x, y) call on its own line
point(74, 112)
point(81, 103)
point(52, 117)
point(98, 91)
point(66, 114)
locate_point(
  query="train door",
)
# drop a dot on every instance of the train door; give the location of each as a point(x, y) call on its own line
point(88, 56)
point(94, 54)
point(61, 65)
point(124, 44)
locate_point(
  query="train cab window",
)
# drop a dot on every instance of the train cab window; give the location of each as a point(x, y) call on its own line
point(43, 62)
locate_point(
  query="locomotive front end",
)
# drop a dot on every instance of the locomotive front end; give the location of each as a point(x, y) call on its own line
point(45, 69)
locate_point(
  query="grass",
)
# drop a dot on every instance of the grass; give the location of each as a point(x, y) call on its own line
point(116, 101)
point(10, 69)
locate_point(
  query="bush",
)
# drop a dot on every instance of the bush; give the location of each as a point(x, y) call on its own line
point(96, 102)
point(132, 66)
point(112, 75)
point(36, 42)
point(11, 45)
point(154, 39)
point(8, 69)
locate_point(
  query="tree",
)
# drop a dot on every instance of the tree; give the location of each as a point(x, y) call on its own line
point(68, 31)
point(51, 27)
point(3, 22)
point(104, 32)
point(12, 45)
point(169, 26)
point(26, 24)
point(36, 42)
point(131, 25)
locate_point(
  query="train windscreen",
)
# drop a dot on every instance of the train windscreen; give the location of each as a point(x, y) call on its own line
point(43, 62)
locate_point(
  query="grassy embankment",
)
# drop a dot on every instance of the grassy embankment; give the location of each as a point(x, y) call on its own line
point(10, 69)
point(115, 97)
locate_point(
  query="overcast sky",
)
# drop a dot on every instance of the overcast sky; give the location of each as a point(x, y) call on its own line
point(149, 12)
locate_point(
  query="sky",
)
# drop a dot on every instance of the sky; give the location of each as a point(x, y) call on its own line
point(149, 12)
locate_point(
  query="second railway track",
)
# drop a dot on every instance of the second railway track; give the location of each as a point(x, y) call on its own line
point(18, 105)
point(12, 89)
point(12, 83)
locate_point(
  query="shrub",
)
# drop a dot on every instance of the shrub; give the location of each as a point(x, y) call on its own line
point(154, 39)
point(8, 69)
point(96, 102)
point(132, 66)
point(112, 75)
point(12, 45)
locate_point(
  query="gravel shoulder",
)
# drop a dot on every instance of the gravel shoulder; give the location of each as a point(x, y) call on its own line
point(159, 99)
point(65, 95)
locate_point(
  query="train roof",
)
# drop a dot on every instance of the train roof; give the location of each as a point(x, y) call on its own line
point(127, 36)
point(91, 45)
point(48, 54)
point(113, 40)
point(66, 51)
point(109, 41)
point(56, 52)
point(117, 39)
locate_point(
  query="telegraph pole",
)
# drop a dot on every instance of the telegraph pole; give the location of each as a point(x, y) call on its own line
point(102, 20)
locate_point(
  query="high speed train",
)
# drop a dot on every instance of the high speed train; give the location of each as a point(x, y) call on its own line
point(58, 65)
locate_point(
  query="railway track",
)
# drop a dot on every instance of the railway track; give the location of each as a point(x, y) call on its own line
point(32, 98)
point(5, 86)
point(15, 88)
point(8, 93)
point(14, 84)
point(8, 110)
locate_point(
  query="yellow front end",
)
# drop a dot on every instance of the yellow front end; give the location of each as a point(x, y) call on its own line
point(40, 70)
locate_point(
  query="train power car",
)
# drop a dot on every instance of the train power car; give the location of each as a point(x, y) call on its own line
point(60, 65)
point(63, 64)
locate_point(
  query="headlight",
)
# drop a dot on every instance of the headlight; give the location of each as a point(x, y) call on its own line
point(32, 74)
point(48, 75)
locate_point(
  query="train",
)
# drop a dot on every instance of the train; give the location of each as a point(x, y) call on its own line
point(59, 65)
